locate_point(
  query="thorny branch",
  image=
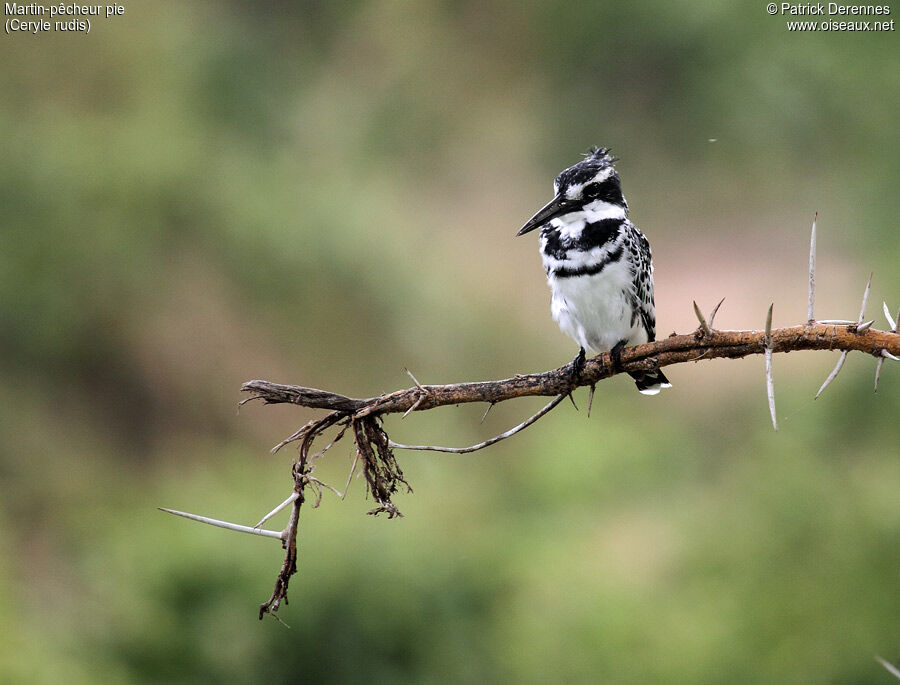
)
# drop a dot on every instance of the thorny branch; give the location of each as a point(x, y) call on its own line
point(676, 349)
point(364, 417)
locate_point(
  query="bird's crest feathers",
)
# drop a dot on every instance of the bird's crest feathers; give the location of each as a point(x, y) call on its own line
point(596, 159)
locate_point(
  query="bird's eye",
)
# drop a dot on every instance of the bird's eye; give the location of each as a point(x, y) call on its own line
point(592, 190)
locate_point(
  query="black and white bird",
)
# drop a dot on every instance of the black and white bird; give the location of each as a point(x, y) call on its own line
point(598, 264)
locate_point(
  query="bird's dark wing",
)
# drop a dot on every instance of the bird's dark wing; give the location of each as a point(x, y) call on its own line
point(642, 285)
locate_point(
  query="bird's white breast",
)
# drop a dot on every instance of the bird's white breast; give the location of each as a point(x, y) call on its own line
point(596, 310)
point(593, 309)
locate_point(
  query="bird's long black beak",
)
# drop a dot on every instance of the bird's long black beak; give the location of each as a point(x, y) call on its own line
point(558, 205)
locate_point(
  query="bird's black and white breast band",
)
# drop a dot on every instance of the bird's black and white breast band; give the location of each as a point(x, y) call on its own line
point(598, 263)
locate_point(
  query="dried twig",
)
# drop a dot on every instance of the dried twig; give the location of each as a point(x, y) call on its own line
point(350, 475)
point(487, 443)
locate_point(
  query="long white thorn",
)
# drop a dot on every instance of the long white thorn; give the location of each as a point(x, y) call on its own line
point(887, 315)
point(770, 388)
point(810, 310)
point(893, 323)
point(281, 506)
point(415, 380)
point(703, 325)
point(225, 524)
point(350, 475)
point(833, 374)
point(893, 670)
point(878, 372)
point(770, 380)
point(865, 300)
point(414, 406)
point(888, 355)
point(712, 315)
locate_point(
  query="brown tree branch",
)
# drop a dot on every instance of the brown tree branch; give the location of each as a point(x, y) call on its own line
point(676, 349)
point(374, 449)
point(363, 417)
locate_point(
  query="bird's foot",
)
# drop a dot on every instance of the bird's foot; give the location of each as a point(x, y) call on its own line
point(615, 354)
point(575, 374)
point(577, 368)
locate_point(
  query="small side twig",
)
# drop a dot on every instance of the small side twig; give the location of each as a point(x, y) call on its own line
point(350, 475)
point(487, 443)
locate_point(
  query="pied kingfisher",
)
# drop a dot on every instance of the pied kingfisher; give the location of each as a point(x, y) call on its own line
point(598, 264)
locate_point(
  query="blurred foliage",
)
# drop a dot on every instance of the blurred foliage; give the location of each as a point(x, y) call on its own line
point(198, 194)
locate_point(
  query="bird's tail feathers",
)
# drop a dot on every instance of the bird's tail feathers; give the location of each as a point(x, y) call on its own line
point(650, 382)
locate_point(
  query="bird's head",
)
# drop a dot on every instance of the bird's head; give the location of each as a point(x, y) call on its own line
point(592, 181)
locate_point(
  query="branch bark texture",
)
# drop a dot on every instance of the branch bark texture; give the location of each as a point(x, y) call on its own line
point(676, 349)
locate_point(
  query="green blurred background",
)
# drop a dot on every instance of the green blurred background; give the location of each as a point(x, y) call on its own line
point(324, 192)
